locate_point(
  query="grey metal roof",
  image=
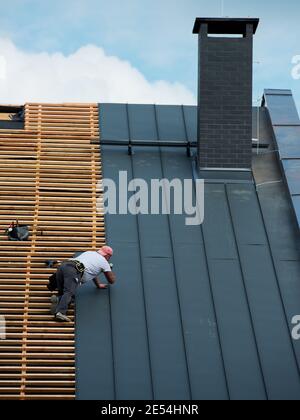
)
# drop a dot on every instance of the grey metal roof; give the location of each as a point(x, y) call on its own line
point(286, 128)
point(11, 125)
point(198, 312)
point(148, 122)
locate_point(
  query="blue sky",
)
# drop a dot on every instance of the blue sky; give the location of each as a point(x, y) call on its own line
point(155, 36)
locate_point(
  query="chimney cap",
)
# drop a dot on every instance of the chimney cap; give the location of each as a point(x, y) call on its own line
point(225, 25)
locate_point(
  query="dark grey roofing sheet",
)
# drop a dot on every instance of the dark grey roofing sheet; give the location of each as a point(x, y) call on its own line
point(148, 122)
point(292, 173)
point(283, 238)
point(198, 312)
point(116, 122)
point(286, 126)
point(11, 125)
point(296, 204)
point(94, 341)
point(142, 123)
point(282, 104)
point(288, 141)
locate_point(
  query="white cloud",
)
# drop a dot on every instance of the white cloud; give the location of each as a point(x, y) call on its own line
point(2, 67)
point(88, 75)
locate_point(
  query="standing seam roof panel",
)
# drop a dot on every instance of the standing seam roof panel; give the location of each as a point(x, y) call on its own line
point(283, 244)
point(237, 336)
point(129, 324)
point(268, 313)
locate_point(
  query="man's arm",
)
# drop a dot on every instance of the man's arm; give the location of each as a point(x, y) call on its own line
point(110, 277)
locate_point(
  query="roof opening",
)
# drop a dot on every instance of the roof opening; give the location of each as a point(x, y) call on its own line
point(12, 117)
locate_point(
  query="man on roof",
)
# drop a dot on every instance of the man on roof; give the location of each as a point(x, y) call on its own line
point(76, 271)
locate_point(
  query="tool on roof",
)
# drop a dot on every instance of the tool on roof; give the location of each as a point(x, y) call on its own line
point(19, 116)
point(17, 232)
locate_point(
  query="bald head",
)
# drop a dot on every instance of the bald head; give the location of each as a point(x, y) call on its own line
point(106, 252)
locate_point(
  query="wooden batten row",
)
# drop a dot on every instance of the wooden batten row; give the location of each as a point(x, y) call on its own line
point(49, 179)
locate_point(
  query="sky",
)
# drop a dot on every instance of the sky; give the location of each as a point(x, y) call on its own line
point(137, 51)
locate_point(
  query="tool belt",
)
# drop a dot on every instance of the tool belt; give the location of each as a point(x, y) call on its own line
point(17, 232)
point(79, 266)
point(52, 284)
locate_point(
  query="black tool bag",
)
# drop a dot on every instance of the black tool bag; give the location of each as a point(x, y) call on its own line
point(17, 232)
point(52, 285)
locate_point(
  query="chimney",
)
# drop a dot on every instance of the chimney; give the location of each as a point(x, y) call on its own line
point(225, 92)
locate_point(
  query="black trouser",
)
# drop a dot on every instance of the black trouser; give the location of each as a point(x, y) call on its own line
point(68, 279)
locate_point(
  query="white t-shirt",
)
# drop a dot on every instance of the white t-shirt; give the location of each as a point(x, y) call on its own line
point(94, 263)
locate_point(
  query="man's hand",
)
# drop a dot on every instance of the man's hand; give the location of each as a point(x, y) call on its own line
point(102, 286)
point(99, 285)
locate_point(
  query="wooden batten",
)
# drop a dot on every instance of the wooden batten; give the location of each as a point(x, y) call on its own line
point(49, 179)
